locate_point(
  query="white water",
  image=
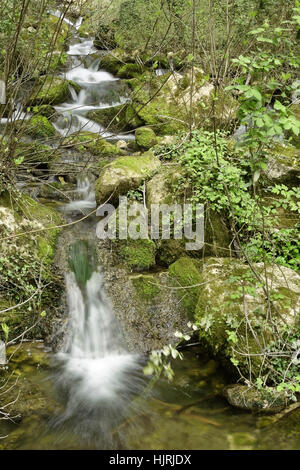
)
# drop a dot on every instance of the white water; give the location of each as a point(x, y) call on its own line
point(99, 90)
point(96, 373)
point(59, 14)
point(95, 365)
point(86, 203)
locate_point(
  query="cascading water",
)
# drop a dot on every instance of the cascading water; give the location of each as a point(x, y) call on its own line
point(96, 374)
point(87, 202)
point(99, 90)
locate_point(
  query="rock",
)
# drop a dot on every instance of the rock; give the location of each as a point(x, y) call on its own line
point(267, 400)
point(144, 303)
point(145, 138)
point(94, 144)
point(124, 174)
point(116, 118)
point(139, 255)
point(51, 90)
point(283, 165)
point(23, 258)
point(40, 128)
point(185, 273)
point(36, 157)
point(164, 103)
point(110, 62)
point(220, 308)
point(130, 71)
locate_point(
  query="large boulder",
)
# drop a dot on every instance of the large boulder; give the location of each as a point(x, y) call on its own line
point(163, 102)
point(124, 174)
point(224, 313)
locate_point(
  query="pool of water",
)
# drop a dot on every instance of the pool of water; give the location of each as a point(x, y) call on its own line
point(188, 413)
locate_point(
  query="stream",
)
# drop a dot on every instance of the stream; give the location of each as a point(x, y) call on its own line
point(92, 394)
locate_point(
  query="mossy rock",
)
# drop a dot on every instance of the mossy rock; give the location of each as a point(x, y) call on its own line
point(138, 255)
point(130, 71)
point(52, 91)
point(40, 128)
point(184, 273)
point(44, 110)
point(94, 144)
point(112, 61)
point(220, 309)
point(267, 401)
point(117, 118)
point(145, 138)
point(124, 174)
point(147, 287)
point(283, 165)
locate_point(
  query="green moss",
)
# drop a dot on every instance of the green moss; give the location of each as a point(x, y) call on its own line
point(116, 118)
point(52, 91)
point(95, 145)
point(220, 309)
point(40, 128)
point(139, 255)
point(44, 110)
point(170, 250)
point(111, 62)
point(145, 137)
point(130, 71)
point(185, 273)
point(124, 174)
point(147, 287)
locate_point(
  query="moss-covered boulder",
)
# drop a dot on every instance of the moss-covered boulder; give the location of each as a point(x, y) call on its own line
point(51, 90)
point(94, 144)
point(117, 118)
point(231, 297)
point(145, 138)
point(186, 276)
point(40, 128)
point(124, 174)
point(112, 61)
point(138, 255)
point(268, 400)
point(295, 108)
point(283, 165)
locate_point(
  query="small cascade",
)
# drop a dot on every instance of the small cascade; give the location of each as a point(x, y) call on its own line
point(96, 373)
point(99, 90)
point(86, 202)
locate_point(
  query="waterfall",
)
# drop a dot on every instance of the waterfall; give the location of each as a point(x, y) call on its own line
point(96, 374)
